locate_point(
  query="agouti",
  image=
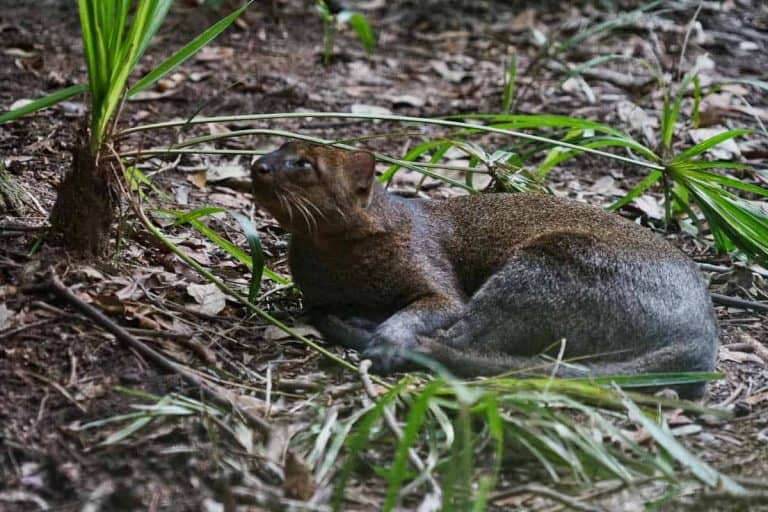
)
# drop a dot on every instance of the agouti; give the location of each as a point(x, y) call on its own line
point(483, 284)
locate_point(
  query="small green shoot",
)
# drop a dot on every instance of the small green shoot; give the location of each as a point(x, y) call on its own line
point(333, 21)
point(508, 90)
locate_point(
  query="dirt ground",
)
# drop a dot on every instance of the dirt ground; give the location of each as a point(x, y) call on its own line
point(58, 371)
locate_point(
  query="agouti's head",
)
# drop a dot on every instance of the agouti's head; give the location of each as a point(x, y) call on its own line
point(312, 189)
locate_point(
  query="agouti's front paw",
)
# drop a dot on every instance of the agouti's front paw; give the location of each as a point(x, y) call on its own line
point(389, 353)
point(385, 359)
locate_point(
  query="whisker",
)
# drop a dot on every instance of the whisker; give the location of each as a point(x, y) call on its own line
point(301, 208)
point(307, 205)
point(286, 205)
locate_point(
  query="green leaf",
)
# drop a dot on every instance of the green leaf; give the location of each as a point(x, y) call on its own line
point(734, 222)
point(728, 182)
point(411, 156)
point(413, 423)
point(197, 213)
point(638, 189)
point(359, 440)
point(558, 155)
point(192, 218)
point(655, 379)
point(362, 28)
point(257, 255)
point(696, 100)
point(671, 110)
point(704, 145)
point(187, 51)
point(522, 121)
point(128, 430)
point(44, 102)
point(322, 9)
point(510, 77)
point(667, 441)
point(155, 17)
point(496, 431)
point(700, 165)
point(135, 178)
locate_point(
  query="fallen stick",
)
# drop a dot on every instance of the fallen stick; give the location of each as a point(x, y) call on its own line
point(55, 285)
point(725, 300)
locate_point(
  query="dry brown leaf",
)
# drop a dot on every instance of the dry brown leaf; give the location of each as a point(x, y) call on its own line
point(639, 120)
point(442, 69)
point(219, 172)
point(274, 333)
point(407, 100)
point(214, 54)
point(757, 398)
point(606, 186)
point(298, 483)
point(6, 315)
point(209, 297)
point(142, 313)
point(713, 108)
point(233, 201)
point(109, 302)
point(373, 110)
point(738, 356)
point(198, 179)
point(152, 95)
point(524, 20)
point(7, 291)
point(649, 206)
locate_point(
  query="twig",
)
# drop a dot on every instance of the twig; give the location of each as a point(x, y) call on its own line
point(21, 328)
point(391, 422)
point(55, 385)
point(18, 496)
point(685, 40)
point(708, 267)
point(709, 500)
point(57, 287)
point(725, 300)
point(754, 345)
point(17, 226)
point(546, 492)
point(732, 397)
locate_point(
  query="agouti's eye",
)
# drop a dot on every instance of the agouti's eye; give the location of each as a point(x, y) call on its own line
point(303, 164)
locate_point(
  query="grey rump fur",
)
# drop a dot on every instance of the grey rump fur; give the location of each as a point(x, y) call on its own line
point(483, 284)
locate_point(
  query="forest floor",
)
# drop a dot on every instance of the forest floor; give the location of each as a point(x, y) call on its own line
point(58, 371)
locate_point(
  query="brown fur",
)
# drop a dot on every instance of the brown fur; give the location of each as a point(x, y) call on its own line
point(481, 283)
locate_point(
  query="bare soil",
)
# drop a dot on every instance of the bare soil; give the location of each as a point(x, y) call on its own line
point(58, 371)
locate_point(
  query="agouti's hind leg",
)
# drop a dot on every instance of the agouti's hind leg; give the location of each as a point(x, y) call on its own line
point(509, 312)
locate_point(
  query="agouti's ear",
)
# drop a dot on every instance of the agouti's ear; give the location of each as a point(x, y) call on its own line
point(360, 166)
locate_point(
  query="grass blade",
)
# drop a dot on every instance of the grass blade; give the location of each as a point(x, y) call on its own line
point(187, 51)
point(671, 110)
point(510, 77)
point(257, 255)
point(641, 187)
point(666, 440)
point(192, 218)
point(415, 419)
point(362, 28)
point(704, 145)
point(44, 102)
point(359, 441)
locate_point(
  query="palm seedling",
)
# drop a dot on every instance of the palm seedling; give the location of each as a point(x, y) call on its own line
point(115, 35)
